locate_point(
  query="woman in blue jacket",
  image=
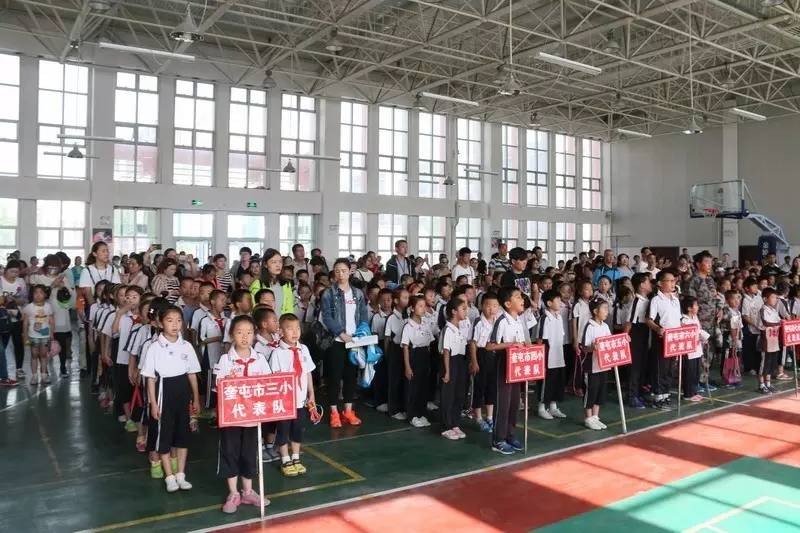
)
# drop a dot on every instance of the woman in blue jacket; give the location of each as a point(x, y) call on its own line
point(343, 308)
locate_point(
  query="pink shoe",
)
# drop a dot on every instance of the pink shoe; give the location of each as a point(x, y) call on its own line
point(696, 398)
point(232, 503)
point(461, 434)
point(252, 498)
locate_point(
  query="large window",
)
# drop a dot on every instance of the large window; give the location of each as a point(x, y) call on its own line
point(393, 151)
point(468, 233)
point(245, 230)
point(60, 226)
point(352, 234)
point(8, 226)
point(592, 237)
point(432, 155)
point(136, 121)
point(298, 136)
point(537, 144)
point(353, 166)
point(296, 229)
point(194, 133)
point(432, 231)
point(391, 228)
point(591, 175)
point(565, 171)
point(510, 151)
point(134, 229)
point(565, 241)
point(194, 233)
point(247, 159)
point(510, 233)
point(469, 156)
point(537, 236)
point(63, 96)
point(9, 118)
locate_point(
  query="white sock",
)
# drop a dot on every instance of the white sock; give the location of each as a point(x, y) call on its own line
point(285, 459)
point(295, 457)
point(270, 445)
point(553, 406)
point(180, 476)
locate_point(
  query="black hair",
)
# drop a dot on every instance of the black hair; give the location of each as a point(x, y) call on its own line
point(504, 295)
point(452, 305)
point(595, 304)
point(662, 273)
point(169, 309)
point(239, 319)
point(686, 303)
point(414, 300)
point(749, 282)
point(699, 256)
point(135, 288)
point(550, 295)
point(157, 306)
point(638, 279)
point(262, 292)
point(288, 317)
point(261, 313)
point(767, 292)
point(442, 283)
point(216, 293)
point(239, 294)
point(732, 292)
point(206, 284)
point(219, 256)
point(244, 249)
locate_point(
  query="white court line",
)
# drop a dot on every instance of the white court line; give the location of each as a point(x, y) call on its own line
point(477, 471)
point(709, 524)
point(32, 396)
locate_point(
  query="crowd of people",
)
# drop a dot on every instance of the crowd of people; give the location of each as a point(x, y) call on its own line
point(153, 332)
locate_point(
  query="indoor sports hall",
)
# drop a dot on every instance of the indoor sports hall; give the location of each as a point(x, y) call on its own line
point(399, 265)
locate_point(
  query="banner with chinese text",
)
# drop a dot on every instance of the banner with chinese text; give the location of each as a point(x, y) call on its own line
point(247, 401)
point(613, 350)
point(791, 332)
point(525, 362)
point(680, 341)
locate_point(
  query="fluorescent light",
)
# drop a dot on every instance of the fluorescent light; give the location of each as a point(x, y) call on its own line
point(633, 133)
point(748, 114)
point(449, 98)
point(564, 62)
point(139, 50)
point(90, 138)
point(313, 156)
point(479, 171)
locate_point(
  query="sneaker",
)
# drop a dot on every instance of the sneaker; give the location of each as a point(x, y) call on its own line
point(173, 462)
point(784, 377)
point(661, 405)
point(544, 413)
point(484, 426)
point(450, 435)
point(763, 389)
point(636, 403)
point(417, 422)
point(432, 406)
point(20, 373)
point(182, 483)
point(591, 423)
point(461, 434)
point(503, 448)
point(600, 423)
point(269, 454)
point(34, 381)
point(490, 423)
point(64, 374)
point(288, 469)
point(383, 408)
point(232, 503)
point(336, 422)
point(753, 373)
point(299, 467)
point(8, 382)
point(172, 484)
point(772, 389)
point(350, 417)
point(556, 413)
point(141, 445)
point(424, 421)
point(252, 498)
point(130, 427)
point(122, 419)
point(467, 413)
point(515, 445)
point(46, 379)
point(399, 416)
point(156, 471)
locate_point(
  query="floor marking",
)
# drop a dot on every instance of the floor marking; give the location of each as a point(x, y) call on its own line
point(332, 462)
point(359, 436)
point(480, 470)
point(46, 441)
point(709, 524)
point(30, 396)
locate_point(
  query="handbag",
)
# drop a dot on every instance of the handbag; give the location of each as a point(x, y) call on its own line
point(322, 337)
point(731, 372)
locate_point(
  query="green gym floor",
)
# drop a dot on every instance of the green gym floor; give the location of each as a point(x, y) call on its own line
point(68, 467)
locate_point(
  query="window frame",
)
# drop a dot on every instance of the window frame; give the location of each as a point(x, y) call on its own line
point(197, 239)
point(116, 233)
point(195, 132)
point(286, 243)
point(43, 250)
point(347, 131)
point(430, 181)
point(298, 144)
point(509, 152)
point(591, 185)
point(566, 184)
point(392, 164)
point(465, 236)
point(349, 234)
point(537, 193)
point(536, 237)
point(429, 244)
point(563, 250)
point(136, 128)
point(384, 250)
point(469, 156)
point(255, 160)
point(10, 122)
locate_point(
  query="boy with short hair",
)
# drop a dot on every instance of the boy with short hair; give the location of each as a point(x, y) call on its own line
point(636, 325)
point(770, 346)
point(731, 330)
point(380, 382)
point(483, 364)
point(551, 331)
point(751, 307)
point(664, 313)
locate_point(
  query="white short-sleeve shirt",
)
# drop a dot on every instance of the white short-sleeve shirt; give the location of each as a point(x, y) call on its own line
point(170, 359)
point(91, 276)
point(452, 339)
point(416, 334)
point(283, 361)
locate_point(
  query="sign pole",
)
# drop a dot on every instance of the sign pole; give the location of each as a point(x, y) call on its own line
point(680, 382)
point(619, 398)
point(708, 370)
point(260, 473)
point(794, 366)
point(526, 418)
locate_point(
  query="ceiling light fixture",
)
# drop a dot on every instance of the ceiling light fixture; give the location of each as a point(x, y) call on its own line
point(289, 168)
point(693, 127)
point(316, 157)
point(611, 45)
point(187, 31)
point(448, 181)
point(99, 5)
point(449, 98)
point(533, 121)
point(511, 85)
point(418, 105)
point(632, 133)
point(74, 153)
point(74, 53)
point(334, 44)
point(89, 138)
point(269, 82)
point(569, 63)
point(748, 114)
point(729, 82)
point(139, 50)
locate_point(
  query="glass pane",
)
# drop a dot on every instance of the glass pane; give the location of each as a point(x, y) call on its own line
point(147, 109)
point(48, 237)
point(72, 238)
point(193, 224)
point(184, 112)
point(73, 214)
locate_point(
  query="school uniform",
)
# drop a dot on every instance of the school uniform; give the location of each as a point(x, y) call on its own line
point(770, 341)
point(751, 304)
point(551, 331)
point(123, 390)
point(105, 321)
point(485, 385)
point(690, 377)
point(170, 363)
point(594, 378)
point(209, 328)
point(569, 349)
point(297, 360)
point(453, 391)
point(198, 315)
point(507, 329)
point(417, 336)
point(580, 316)
point(665, 310)
point(380, 382)
point(136, 339)
point(640, 344)
point(238, 446)
point(266, 345)
point(394, 363)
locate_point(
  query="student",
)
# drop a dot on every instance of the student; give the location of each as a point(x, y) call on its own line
point(203, 302)
point(604, 292)
point(394, 354)
point(594, 378)
point(483, 364)
point(551, 331)
point(209, 339)
point(171, 368)
point(508, 329)
point(292, 356)
point(636, 328)
point(266, 298)
point(92, 338)
point(124, 321)
point(38, 329)
point(140, 331)
point(463, 268)
point(565, 290)
point(751, 306)
point(691, 365)
point(580, 317)
point(380, 382)
point(452, 346)
point(416, 340)
point(238, 446)
point(770, 346)
point(241, 304)
point(267, 331)
point(782, 289)
point(518, 276)
point(731, 329)
point(664, 313)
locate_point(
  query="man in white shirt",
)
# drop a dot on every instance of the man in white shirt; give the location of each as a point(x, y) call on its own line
point(462, 267)
point(664, 313)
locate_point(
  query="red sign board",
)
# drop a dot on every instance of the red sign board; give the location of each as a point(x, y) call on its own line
point(525, 362)
point(247, 401)
point(791, 332)
point(680, 341)
point(613, 350)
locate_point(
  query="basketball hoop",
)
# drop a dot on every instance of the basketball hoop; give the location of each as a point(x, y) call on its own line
point(710, 212)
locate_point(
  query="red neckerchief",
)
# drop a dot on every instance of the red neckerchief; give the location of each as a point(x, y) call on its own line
point(298, 369)
point(245, 364)
point(137, 320)
point(220, 323)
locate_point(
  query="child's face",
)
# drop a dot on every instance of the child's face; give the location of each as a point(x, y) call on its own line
point(763, 284)
point(693, 309)
point(447, 291)
point(303, 277)
point(245, 305)
point(419, 308)
point(385, 301)
point(555, 304)
point(667, 284)
point(271, 324)
point(733, 301)
point(243, 335)
point(430, 298)
point(470, 296)
point(172, 324)
point(218, 303)
point(401, 301)
point(132, 299)
point(305, 293)
point(516, 304)
point(601, 313)
point(565, 291)
point(267, 299)
point(120, 296)
point(205, 294)
point(604, 285)
point(38, 296)
point(245, 280)
point(186, 287)
point(751, 289)
point(586, 291)
point(771, 300)
point(372, 295)
point(290, 331)
point(491, 308)
point(546, 284)
point(460, 312)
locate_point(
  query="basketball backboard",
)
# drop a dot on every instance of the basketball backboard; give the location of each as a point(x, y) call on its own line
point(725, 199)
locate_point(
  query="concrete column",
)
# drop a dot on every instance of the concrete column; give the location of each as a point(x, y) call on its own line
point(101, 171)
point(329, 119)
point(222, 106)
point(166, 131)
point(274, 139)
point(729, 238)
point(27, 235)
point(28, 110)
point(373, 140)
point(492, 186)
point(219, 243)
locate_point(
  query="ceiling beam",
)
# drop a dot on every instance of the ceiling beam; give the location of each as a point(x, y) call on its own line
point(75, 31)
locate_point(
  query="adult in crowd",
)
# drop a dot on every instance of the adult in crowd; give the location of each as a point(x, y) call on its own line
point(771, 267)
point(539, 254)
point(241, 265)
point(606, 268)
point(166, 282)
point(500, 261)
point(134, 272)
point(786, 266)
point(223, 275)
point(271, 278)
point(98, 268)
point(650, 266)
point(343, 308)
point(363, 271)
point(54, 276)
point(298, 259)
point(76, 270)
point(623, 267)
point(702, 286)
point(399, 264)
point(463, 266)
point(15, 294)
